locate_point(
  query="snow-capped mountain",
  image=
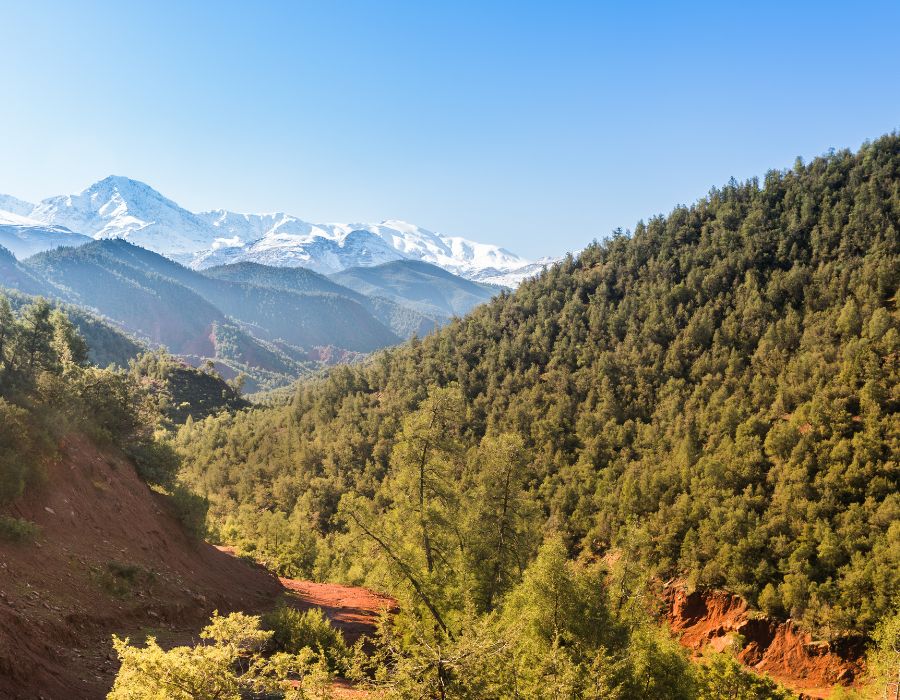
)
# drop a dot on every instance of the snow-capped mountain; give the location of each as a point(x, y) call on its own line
point(23, 241)
point(118, 207)
point(284, 240)
point(11, 205)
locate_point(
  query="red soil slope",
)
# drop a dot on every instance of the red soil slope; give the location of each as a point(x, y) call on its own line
point(110, 558)
point(712, 619)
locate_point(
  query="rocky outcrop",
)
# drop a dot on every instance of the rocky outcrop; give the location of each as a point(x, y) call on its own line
point(718, 620)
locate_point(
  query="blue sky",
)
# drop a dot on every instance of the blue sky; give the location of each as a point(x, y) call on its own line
point(538, 126)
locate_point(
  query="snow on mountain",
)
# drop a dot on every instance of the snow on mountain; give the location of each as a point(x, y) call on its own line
point(283, 240)
point(118, 207)
point(12, 205)
point(512, 277)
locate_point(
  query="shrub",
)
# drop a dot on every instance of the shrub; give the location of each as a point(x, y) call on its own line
point(293, 631)
point(190, 509)
point(724, 678)
point(155, 461)
point(23, 445)
point(17, 529)
point(229, 664)
point(120, 579)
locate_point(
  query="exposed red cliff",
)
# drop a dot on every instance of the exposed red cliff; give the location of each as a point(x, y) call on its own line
point(717, 619)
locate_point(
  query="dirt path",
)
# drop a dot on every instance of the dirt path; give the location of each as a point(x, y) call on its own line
point(352, 610)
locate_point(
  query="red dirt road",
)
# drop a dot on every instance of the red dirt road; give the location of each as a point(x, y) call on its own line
point(352, 610)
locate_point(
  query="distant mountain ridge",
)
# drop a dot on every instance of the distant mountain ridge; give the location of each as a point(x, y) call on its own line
point(427, 288)
point(274, 324)
point(119, 207)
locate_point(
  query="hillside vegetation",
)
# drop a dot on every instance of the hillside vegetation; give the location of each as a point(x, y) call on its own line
point(713, 396)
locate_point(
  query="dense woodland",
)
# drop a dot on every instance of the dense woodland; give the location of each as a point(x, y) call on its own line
point(713, 396)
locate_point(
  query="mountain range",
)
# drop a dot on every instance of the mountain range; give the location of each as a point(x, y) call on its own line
point(274, 324)
point(119, 207)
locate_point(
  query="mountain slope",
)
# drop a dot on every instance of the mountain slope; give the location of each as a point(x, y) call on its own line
point(401, 314)
point(714, 397)
point(28, 238)
point(156, 307)
point(423, 286)
point(195, 315)
point(111, 557)
point(291, 279)
point(107, 344)
point(300, 318)
point(14, 275)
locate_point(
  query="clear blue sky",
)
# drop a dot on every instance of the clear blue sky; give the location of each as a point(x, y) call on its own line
point(539, 126)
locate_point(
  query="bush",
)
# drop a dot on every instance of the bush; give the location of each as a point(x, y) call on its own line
point(155, 461)
point(293, 631)
point(229, 664)
point(18, 530)
point(723, 678)
point(190, 509)
point(120, 579)
point(23, 445)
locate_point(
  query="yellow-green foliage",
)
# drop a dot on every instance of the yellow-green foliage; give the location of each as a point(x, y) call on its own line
point(882, 678)
point(227, 665)
point(723, 678)
point(293, 631)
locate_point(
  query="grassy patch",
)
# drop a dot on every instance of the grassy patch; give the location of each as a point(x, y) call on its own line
point(121, 580)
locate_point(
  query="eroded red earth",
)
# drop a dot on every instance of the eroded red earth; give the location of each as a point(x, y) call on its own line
point(714, 620)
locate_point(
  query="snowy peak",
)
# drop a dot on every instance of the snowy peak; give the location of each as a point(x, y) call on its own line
point(24, 236)
point(119, 207)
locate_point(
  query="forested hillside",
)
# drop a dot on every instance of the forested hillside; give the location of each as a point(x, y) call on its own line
point(107, 345)
point(713, 396)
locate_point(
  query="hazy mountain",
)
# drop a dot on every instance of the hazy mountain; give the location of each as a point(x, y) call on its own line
point(425, 287)
point(177, 306)
point(155, 307)
point(27, 240)
point(13, 275)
